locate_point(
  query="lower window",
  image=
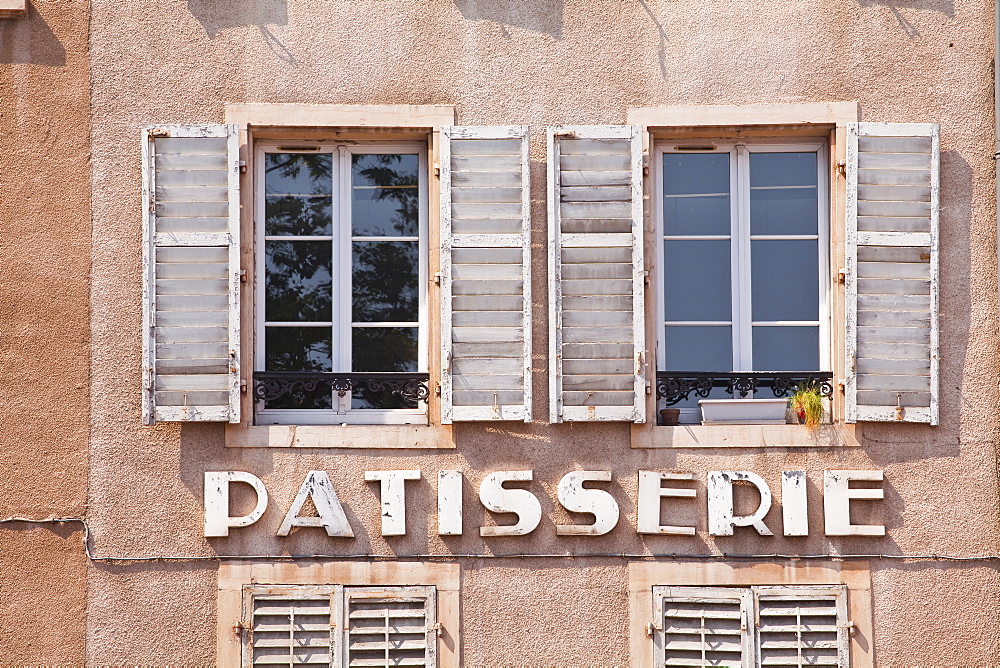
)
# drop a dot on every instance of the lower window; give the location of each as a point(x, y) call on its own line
point(335, 625)
point(751, 626)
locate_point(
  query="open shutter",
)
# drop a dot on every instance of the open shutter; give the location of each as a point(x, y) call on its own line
point(803, 626)
point(892, 272)
point(390, 626)
point(191, 273)
point(291, 625)
point(702, 626)
point(485, 274)
point(596, 274)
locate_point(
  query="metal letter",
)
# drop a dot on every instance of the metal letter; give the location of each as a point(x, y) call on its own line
point(217, 518)
point(837, 496)
point(393, 499)
point(720, 503)
point(518, 501)
point(651, 494)
point(449, 503)
point(794, 506)
point(317, 486)
point(575, 497)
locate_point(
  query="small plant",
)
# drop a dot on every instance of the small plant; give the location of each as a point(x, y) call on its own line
point(807, 402)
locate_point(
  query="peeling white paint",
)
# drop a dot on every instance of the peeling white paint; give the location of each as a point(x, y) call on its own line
point(519, 501)
point(318, 487)
point(651, 493)
point(794, 505)
point(837, 497)
point(576, 498)
point(721, 519)
point(449, 503)
point(217, 517)
point(393, 495)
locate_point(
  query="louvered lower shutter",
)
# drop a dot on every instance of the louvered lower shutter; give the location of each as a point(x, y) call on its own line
point(292, 629)
point(191, 274)
point(596, 274)
point(698, 626)
point(485, 274)
point(892, 272)
point(390, 626)
point(801, 626)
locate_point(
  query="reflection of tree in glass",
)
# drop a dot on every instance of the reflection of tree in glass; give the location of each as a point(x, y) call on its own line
point(298, 281)
point(397, 176)
point(300, 349)
point(290, 179)
point(383, 349)
point(385, 281)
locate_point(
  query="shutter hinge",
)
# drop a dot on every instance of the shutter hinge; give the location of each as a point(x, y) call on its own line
point(437, 170)
point(243, 166)
point(849, 627)
point(564, 134)
point(649, 387)
point(437, 278)
point(645, 276)
point(899, 407)
point(243, 386)
point(650, 629)
point(238, 628)
point(842, 168)
point(158, 132)
point(243, 275)
point(437, 388)
point(437, 628)
point(842, 275)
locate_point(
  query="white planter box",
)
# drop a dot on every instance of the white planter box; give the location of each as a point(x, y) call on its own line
point(743, 411)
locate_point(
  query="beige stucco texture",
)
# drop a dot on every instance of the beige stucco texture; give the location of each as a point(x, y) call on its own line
point(542, 63)
point(44, 329)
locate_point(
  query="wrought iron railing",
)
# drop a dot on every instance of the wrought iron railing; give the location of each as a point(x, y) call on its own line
point(274, 385)
point(676, 386)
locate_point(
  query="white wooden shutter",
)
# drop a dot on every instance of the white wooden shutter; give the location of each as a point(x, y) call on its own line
point(892, 272)
point(291, 626)
point(390, 626)
point(596, 274)
point(191, 270)
point(485, 274)
point(802, 626)
point(702, 626)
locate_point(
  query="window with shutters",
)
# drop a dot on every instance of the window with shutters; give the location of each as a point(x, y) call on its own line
point(742, 260)
point(335, 625)
point(341, 270)
point(751, 626)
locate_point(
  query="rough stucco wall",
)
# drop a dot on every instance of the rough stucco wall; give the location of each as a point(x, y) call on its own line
point(544, 63)
point(44, 330)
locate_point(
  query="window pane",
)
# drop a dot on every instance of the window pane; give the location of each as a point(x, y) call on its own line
point(385, 281)
point(297, 194)
point(784, 279)
point(383, 349)
point(786, 348)
point(783, 193)
point(696, 278)
point(385, 195)
point(698, 348)
point(696, 193)
point(297, 282)
point(300, 349)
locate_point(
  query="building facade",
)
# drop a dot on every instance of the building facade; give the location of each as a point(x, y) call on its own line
point(366, 322)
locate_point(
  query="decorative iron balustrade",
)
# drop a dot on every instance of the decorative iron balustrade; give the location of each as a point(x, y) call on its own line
point(273, 385)
point(676, 386)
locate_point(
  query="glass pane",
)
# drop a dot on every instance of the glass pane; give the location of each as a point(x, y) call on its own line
point(783, 193)
point(784, 279)
point(698, 348)
point(696, 280)
point(298, 194)
point(385, 195)
point(300, 349)
point(297, 281)
point(385, 281)
point(696, 193)
point(786, 349)
point(382, 349)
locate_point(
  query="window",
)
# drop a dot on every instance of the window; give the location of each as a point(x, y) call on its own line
point(743, 262)
point(752, 626)
point(334, 625)
point(341, 244)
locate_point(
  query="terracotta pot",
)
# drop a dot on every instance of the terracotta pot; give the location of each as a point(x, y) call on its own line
point(669, 417)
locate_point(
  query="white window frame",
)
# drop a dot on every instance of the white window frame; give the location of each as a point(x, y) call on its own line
point(342, 152)
point(740, 261)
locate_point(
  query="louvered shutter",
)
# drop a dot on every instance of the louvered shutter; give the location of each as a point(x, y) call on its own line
point(292, 626)
point(596, 274)
point(390, 626)
point(702, 626)
point(802, 626)
point(191, 273)
point(892, 272)
point(485, 274)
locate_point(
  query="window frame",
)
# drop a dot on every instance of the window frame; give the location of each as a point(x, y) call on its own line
point(342, 150)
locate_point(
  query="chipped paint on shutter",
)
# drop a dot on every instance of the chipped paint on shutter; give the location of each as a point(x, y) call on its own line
point(291, 625)
point(802, 626)
point(892, 272)
point(485, 274)
point(390, 626)
point(596, 274)
point(191, 286)
point(702, 626)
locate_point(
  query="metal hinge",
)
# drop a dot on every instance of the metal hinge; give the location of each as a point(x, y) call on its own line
point(243, 386)
point(243, 166)
point(243, 275)
point(437, 278)
point(158, 132)
point(437, 170)
point(842, 168)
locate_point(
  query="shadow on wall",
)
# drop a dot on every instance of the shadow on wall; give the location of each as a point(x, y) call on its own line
point(538, 15)
point(946, 7)
point(216, 15)
point(30, 40)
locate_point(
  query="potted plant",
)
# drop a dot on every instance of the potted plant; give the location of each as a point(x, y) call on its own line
point(807, 404)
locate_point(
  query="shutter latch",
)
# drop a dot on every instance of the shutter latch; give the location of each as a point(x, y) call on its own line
point(899, 407)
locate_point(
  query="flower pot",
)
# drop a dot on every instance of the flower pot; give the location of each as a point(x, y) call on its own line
point(670, 417)
point(743, 411)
